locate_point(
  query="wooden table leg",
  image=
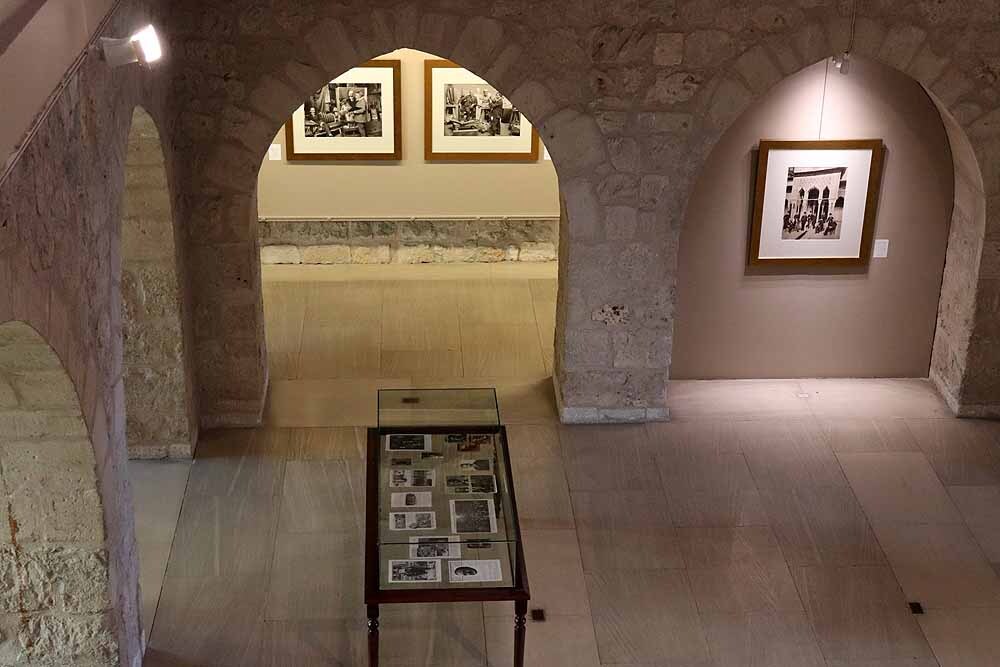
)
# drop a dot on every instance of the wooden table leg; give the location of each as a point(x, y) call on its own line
point(373, 635)
point(520, 623)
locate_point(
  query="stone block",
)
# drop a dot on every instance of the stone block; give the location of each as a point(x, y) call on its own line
point(480, 39)
point(64, 578)
point(326, 254)
point(643, 348)
point(708, 48)
point(927, 66)
point(280, 254)
point(624, 154)
point(454, 255)
point(618, 189)
point(378, 254)
point(583, 212)
point(488, 255)
point(620, 222)
point(651, 190)
point(657, 122)
point(901, 45)
point(61, 640)
point(985, 126)
point(371, 231)
point(668, 49)
point(53, 488)
point(730, 99)
point(22, 424)
point(8, 399)
point(952, 85)
point(811, 43)
point(303, 232)
point(611, 122)
point(148, 238)
point(534, 100)
point(414, 254)
point(574, 140)
point(538, 252)
point(674, 88)
point(331, 46)
point(587, 348)
point(44, 390)
point(758, 69)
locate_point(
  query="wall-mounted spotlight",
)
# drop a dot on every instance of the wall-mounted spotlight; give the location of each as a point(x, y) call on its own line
point(842, 61)
point(142, 47)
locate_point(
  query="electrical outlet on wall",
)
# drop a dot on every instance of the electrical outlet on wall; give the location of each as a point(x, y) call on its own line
point(881, 248)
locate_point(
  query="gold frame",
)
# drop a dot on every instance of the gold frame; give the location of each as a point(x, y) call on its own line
point(431, 155)
point(397, 153)
point(871, 203)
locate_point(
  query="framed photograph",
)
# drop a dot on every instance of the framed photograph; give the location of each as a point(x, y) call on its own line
point(354, 117)
point(815, 203)
point(414, 571)
point(465, 118)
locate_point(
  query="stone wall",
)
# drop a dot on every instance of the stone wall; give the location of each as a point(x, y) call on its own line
point(54, 596)
point(408, 241)
point(60, 273)
point(158, 410)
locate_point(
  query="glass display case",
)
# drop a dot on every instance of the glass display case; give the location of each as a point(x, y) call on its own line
point(441, 517)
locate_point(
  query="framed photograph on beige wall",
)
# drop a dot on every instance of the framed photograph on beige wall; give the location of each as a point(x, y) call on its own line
point(815, 202)
point(354, 117)
point(465, 118)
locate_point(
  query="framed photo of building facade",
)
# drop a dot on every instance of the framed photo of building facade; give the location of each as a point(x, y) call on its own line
point(815, 202)
point(354, 117)
point(465, 118)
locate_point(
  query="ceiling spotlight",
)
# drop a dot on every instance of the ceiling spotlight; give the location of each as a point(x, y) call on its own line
point(842, 62)
point(142, 47)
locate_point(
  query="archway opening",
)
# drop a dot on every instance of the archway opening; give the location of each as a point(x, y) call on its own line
point(55, 596)
point(814, 322)
point(413, 269)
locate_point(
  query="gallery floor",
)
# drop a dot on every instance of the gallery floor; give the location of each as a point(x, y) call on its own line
point(772, 523)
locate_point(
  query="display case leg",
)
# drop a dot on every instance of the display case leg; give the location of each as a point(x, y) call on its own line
point(373, 635)
point(520, 626)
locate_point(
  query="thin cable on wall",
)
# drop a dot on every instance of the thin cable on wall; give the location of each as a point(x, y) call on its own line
point(822, 101)
point(842, 61)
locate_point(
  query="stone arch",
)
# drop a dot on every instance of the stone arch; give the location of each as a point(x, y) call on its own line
point(232, 367)
point(966, 354)
point(55, 585)
point(159, 405)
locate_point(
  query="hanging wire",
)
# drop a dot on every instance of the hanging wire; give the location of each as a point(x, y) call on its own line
point(854, 22)
point(822, 102)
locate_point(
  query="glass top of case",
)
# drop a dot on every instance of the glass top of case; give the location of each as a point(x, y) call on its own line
point(431, 407)
point(445, 516)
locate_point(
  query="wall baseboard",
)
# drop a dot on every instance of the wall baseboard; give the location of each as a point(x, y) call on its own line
point(408, 240)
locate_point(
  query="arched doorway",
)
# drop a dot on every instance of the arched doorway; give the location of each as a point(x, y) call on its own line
point(55, 585)
point(159, 404)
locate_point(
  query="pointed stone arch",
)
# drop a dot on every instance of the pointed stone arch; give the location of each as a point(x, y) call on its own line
point(159, 402)
point(55, 586)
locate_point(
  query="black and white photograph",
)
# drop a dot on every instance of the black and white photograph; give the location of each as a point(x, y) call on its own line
point(435, 547)
point(456, 438)
point(468, 571)
point(473, 516)
point(480, 439)
point(404, 478)
point(479, 545)
point(412, 521)
point(407, 442)
point(475, 465)
point(479, 111)
point(414, 571)
point(466, 118)
point(814, 203)
point(459, 484)
point(411, 499)
point(355, 116)
point(468, 446)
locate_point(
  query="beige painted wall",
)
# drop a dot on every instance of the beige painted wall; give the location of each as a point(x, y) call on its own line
point(878, 323)
point(411, 187)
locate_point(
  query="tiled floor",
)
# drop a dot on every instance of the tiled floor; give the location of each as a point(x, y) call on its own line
point(772, 524)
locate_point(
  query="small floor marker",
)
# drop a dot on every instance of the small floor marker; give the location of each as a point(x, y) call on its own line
point(538, 615)
point(916, 608)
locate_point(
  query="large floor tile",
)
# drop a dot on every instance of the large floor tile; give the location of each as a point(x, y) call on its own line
point(962, 451)
point(859, 613)
point(284, 313)
point(312, 444)
point(239, 461)
point(963, 637)
point(433, 635)
point(851, 435)
point(542, 493)
point(980, 507)
point(857, 397)
point(762, 639)
point(157, 493)
point(785, 452)
point(625, 530)
point(821, 525)
point(736, 399)
point(898, 486)
point(532, 401)
point(605, 458)
point(533, 441)
point(939, 565)
point(316, 576)
point(315, 403)
point(694, 437)
point(501, 350)
point(646, 617)
point(561, 641)
point(426, 363)
point(153, 557)
point(737, 570)
point(323, 496)
point(711, 490)
point(309, 643)
point(555, 574)
point(489, 303)
point(340, 349)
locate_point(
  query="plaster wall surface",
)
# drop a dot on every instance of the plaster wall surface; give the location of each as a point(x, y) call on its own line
point(733, 322)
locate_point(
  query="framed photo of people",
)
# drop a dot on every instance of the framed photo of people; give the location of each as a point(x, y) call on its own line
point(815, 202)
point(354, 117)
point(465, 118)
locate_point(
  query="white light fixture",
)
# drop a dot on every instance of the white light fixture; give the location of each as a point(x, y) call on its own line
point(142, 47)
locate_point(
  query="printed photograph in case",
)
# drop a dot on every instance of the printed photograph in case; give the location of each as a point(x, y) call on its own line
point(412, 521)
point(468, 571)
point(435, 547)
point(414, 571)
point(408, 442)
point(470, 484)
point(354, 117)
point(404, 477)
point(411, 499)
point(473, 516)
